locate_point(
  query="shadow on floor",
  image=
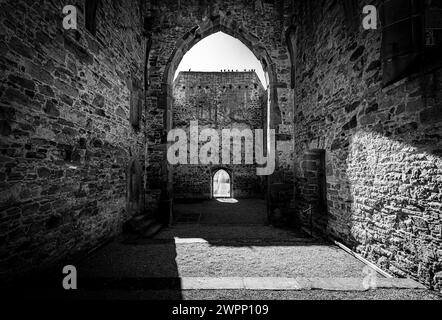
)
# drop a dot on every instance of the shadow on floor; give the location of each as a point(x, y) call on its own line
point(115, 271)
point(229, 240)
point(222, 212)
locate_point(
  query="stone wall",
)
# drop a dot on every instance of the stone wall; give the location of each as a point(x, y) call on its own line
point(66, 139)
point(383, 145)
point(218, 100)
point(175, 27)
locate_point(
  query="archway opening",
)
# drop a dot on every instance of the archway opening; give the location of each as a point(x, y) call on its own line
point(222, 184)
point(224, 53)
point(251, 81)
point(221, 85)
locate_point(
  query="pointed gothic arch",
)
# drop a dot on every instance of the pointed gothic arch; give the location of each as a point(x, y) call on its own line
point(208, 27)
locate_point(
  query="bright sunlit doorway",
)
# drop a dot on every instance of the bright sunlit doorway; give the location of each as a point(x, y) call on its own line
point(222, 187)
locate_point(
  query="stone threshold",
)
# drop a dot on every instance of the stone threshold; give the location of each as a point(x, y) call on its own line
point(281, 284)
point(251, 241)
point(249, 283)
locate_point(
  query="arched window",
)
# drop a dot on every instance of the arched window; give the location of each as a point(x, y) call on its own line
point(222, 184)
point(91, 15)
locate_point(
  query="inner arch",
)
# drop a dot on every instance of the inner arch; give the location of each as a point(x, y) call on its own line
point(199, 33)
point(184, 45)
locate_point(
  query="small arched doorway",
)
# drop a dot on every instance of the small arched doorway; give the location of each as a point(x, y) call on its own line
point(221, 184)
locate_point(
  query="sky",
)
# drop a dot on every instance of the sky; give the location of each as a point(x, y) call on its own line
point(218, 52)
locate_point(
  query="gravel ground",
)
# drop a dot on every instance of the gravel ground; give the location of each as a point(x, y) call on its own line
point(204, 250)
point(296, 260)
point(257, 251)
point(380, 294)
point(228, 251)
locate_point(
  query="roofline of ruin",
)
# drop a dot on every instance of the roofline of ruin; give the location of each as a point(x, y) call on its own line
point(222, 72)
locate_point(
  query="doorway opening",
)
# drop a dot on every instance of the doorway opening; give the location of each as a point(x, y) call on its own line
point(220, 91)
point(221, 84)
point(221, 184)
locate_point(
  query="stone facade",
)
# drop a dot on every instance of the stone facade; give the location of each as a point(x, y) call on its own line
point(175, 27)
point(66, 140)
point(218, 100)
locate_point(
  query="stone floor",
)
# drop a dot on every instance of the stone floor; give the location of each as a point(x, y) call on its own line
point(227, 252)
point(222, 212)
point(235, 259)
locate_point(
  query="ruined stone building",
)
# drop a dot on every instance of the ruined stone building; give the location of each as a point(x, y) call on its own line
point(85, 114)
point(218, 100)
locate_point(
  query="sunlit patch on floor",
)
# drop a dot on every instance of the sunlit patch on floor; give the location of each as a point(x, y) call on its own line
point(227, 200)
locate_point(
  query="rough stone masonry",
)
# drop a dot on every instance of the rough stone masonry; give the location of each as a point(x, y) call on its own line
point(65, 135)
point(218, 100)
point(79, 109)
